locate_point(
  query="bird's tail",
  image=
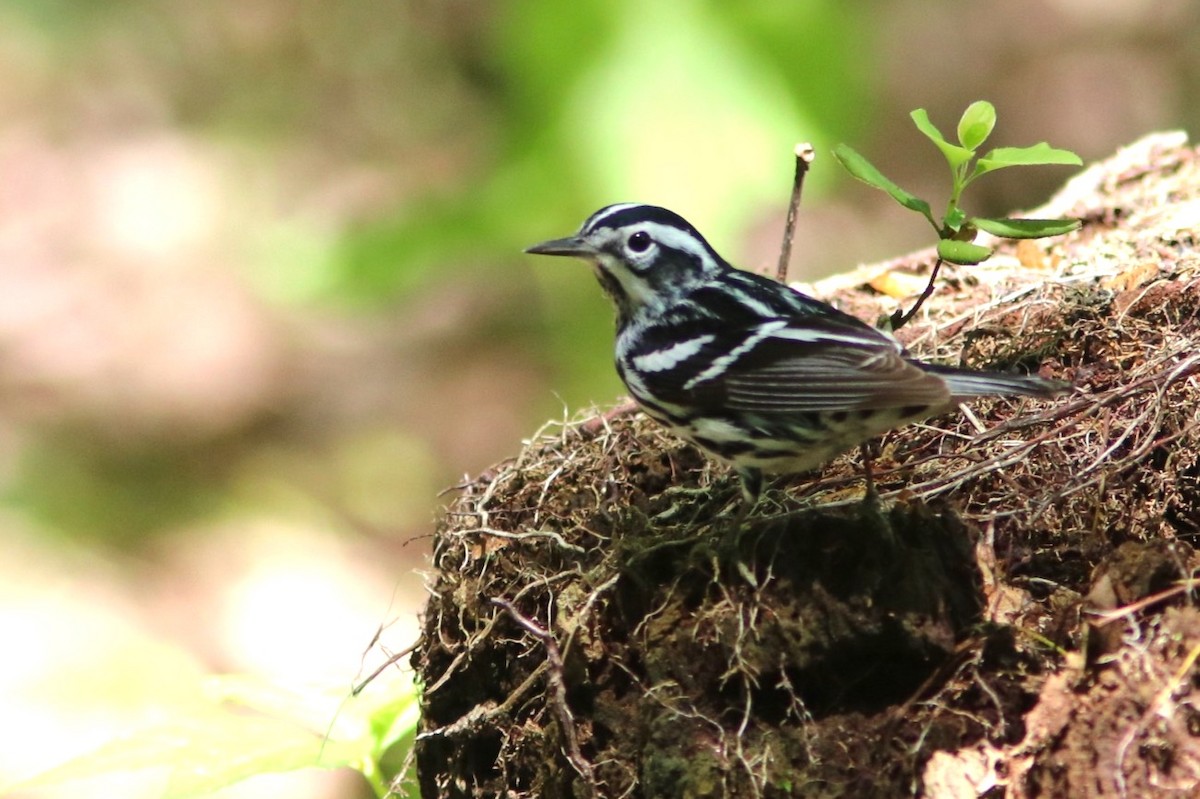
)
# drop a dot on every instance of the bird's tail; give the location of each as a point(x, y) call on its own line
point(964, 383)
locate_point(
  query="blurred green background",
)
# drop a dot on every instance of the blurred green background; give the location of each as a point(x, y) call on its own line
point(262, 294)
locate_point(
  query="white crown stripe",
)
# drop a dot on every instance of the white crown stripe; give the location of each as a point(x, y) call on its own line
point(595, 219)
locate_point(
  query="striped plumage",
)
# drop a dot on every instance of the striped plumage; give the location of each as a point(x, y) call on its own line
point(751, 371)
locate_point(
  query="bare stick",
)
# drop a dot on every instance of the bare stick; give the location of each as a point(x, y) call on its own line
point(391, 661)
point(804, 157)
point(898, 319)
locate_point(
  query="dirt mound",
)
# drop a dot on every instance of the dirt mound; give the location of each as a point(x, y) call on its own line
point(1018, 623)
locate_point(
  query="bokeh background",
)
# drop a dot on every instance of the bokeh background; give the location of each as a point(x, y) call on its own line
point(262, 294)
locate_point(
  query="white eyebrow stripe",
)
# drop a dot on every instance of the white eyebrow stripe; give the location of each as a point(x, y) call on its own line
point(673, 237)
point(719, 365)
point(672, 356)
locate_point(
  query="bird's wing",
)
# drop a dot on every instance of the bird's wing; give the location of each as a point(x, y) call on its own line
point(781, 366)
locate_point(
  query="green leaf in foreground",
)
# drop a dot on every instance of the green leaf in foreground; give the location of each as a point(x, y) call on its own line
point(1025, 228)
point(199, 755)
point(1038, 154)
point(956, 156)
point(865, 171)
point(213, 745)
point(961, 252)
point(976, 124)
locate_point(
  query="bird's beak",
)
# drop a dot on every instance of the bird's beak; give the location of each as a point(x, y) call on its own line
point(571, 245)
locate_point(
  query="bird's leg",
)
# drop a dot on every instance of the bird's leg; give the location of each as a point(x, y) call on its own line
point(728, 548)
point(751, 482)
point(872, 496)
point(751, 486)
point(872, 506)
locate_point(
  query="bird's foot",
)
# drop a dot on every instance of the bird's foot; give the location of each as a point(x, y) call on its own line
point(690, 504)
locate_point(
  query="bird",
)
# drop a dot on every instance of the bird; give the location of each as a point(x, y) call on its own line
point(753, 372)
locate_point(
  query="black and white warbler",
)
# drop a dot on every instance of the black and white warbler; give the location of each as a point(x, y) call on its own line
point(751, 371)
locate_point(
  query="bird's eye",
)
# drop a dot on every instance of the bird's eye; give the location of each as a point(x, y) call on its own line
point(639, 242)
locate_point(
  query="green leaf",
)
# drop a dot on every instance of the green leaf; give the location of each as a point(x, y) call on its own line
point(248, 728)
point(955, 218)
point(961, 252)
point(865, 171)
point(200, 755)
point(1025, 228)
point(976, 124)
point(1039, 154)
point(955, 156)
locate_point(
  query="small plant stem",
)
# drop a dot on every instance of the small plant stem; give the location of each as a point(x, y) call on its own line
point(898, 320)
point(804, 157)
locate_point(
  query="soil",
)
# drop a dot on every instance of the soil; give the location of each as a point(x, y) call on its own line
point(1015, 619)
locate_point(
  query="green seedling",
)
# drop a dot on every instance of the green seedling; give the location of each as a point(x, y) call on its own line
point(956, 230)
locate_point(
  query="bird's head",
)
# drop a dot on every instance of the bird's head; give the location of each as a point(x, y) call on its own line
point(645, 257)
